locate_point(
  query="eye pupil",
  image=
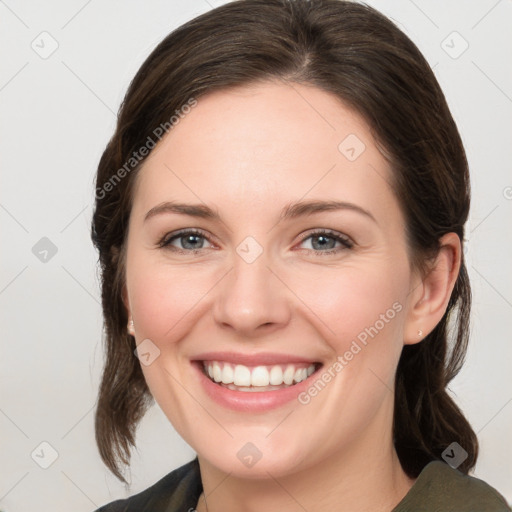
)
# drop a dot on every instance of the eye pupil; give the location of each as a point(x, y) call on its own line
point(325, 239)
point(190, 239)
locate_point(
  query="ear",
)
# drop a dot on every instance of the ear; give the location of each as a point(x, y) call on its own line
point(429, 299)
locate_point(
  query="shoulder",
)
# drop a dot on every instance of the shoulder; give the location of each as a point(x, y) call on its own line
point(177, 491)
point(444, 489)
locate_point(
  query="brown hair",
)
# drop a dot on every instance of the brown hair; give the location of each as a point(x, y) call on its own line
point(357, 54)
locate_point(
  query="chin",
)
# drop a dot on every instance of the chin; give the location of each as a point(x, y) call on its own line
point(253, 460)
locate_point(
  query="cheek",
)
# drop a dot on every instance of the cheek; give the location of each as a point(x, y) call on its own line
point(360, 314)
point(165, 302)
point(355, 303)
point(359, 311)
point(164, 298)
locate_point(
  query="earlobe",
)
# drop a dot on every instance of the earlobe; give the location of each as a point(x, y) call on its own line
point(430, 299)
point(130, 327)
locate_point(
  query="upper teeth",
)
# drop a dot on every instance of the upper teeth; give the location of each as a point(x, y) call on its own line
point(241, 375)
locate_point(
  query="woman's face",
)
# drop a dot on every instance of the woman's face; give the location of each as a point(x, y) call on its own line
point(256, 285)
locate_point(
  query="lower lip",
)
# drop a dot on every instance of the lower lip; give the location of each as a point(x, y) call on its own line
point(246, 401)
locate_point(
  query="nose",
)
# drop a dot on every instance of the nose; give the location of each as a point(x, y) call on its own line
point(252, 299)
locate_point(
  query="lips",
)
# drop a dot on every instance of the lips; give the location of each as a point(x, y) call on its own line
point(261, 359)
point(254, 381)
point(253, 399)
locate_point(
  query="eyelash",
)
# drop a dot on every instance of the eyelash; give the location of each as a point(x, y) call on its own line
point(165, 242)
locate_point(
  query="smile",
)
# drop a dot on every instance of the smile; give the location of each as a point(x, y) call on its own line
point(239, 377)
point(254, 383)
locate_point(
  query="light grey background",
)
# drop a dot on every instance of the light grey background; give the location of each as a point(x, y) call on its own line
point(57, 115)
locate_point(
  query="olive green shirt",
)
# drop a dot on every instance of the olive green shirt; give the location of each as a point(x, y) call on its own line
point(438, 488)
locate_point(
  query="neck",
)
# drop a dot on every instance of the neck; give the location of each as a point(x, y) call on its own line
point(366, 476)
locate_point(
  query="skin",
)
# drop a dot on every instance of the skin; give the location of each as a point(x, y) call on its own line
point(247, 152)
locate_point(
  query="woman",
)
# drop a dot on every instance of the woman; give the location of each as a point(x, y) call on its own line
point(279, 217)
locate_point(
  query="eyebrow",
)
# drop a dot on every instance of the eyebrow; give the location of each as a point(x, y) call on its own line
point(290, 211)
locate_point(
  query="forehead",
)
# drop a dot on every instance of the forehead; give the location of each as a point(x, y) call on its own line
point(266, 144)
